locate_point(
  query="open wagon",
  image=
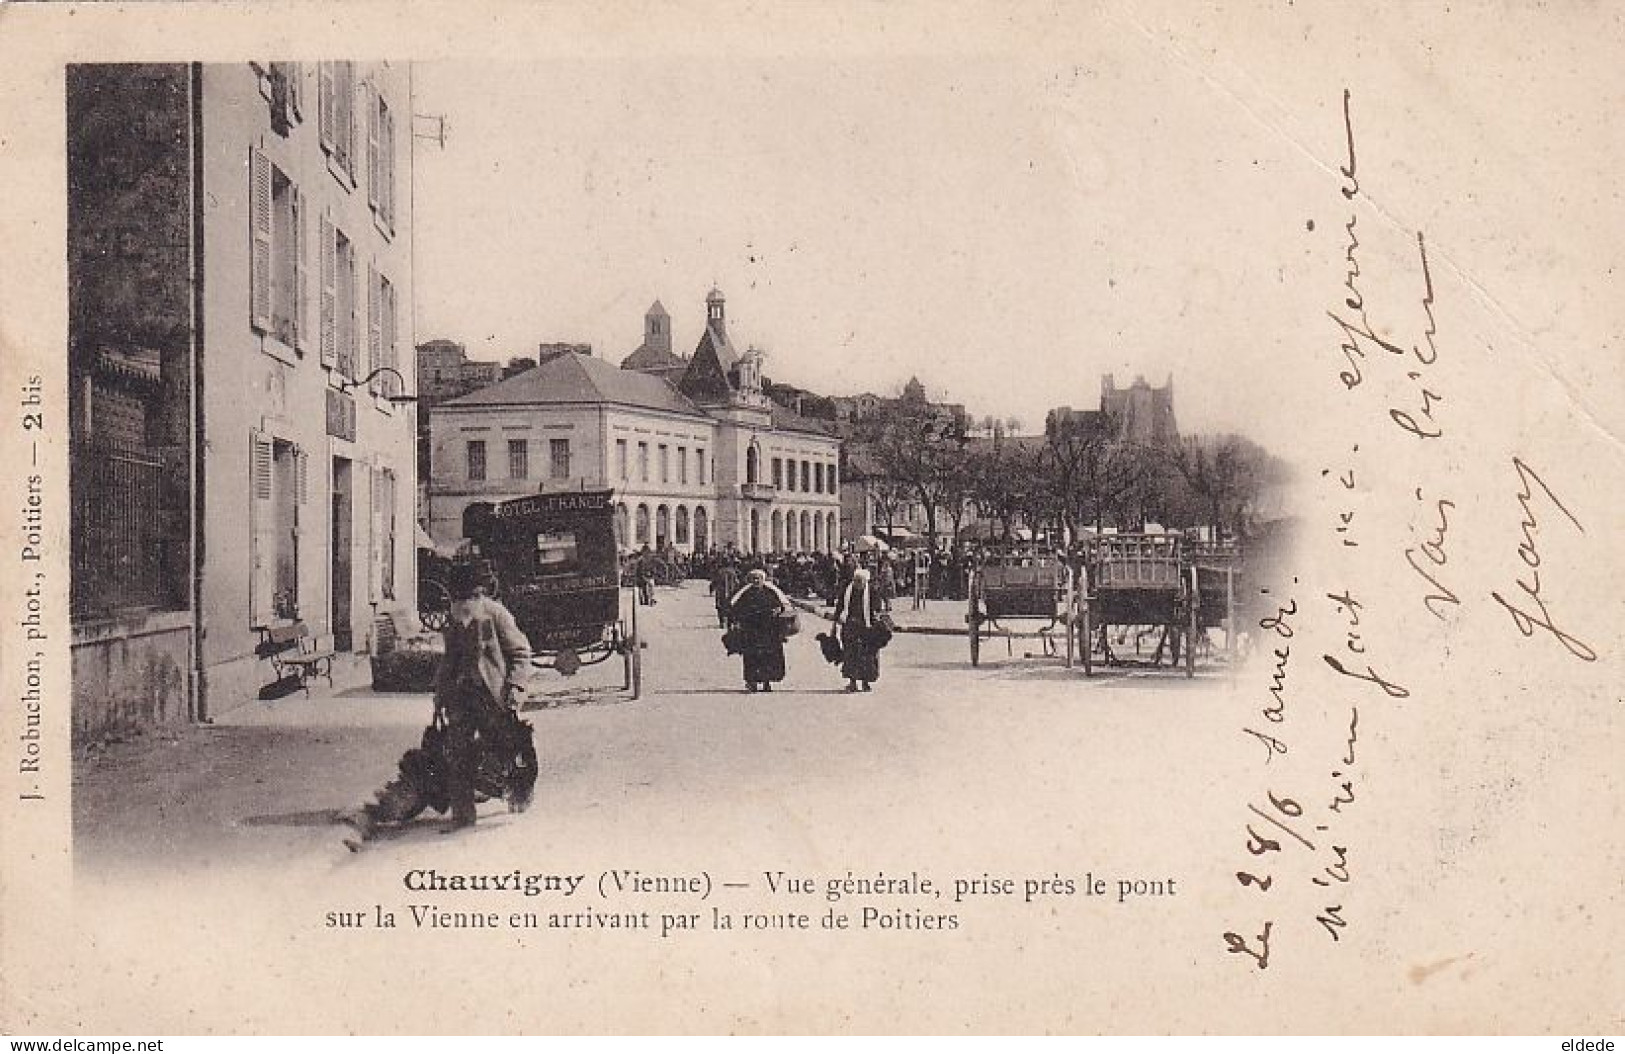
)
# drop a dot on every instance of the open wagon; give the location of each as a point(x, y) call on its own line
point(1220, 578)
point(557, 569)
point(1142, 587)
point(1024, 583)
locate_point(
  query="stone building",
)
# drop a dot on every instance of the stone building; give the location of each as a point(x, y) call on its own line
point(697, 454)
point(239, 359)
point(1144, 415)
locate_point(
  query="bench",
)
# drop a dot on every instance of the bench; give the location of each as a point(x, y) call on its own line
point(294, 655)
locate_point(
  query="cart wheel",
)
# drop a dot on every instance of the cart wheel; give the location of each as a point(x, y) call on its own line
point(975, 621)
point(1086, 644)
point(1190, 642)
point(434, 604)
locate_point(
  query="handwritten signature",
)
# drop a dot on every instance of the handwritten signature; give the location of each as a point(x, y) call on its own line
point(1526, 621)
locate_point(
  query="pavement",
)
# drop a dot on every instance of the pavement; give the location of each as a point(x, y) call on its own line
point(211, 891)
point(268, 778)
point(223, 839)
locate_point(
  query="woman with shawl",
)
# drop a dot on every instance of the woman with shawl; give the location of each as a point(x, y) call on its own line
point(856, 617)
point(755, 612)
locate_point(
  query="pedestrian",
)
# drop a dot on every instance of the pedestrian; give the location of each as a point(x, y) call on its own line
point(724, 584)
point(857, 619)
point(887, 582)
point(756, 613)
point(477, 683)
point(645, 574)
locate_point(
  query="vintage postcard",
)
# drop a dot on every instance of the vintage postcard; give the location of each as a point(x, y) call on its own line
point(846, 518)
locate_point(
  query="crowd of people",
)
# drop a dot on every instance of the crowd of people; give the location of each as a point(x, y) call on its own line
point(809, 575)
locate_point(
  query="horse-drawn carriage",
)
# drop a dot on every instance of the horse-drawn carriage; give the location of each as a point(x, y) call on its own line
point(1157, 594)
point(1165, 591)
point(1026, 583)
point(554, 560)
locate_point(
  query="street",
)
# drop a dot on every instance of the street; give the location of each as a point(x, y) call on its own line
point(1019, 771)
point(1066, 827)
point(936, 740)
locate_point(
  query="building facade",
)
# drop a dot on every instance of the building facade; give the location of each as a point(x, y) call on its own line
point(700, 462)
point(240, 356)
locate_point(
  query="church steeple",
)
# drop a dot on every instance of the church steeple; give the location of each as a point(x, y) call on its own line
point(657, 329)
point(714, 314)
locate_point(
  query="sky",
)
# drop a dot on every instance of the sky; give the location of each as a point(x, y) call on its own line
point(1008, 225)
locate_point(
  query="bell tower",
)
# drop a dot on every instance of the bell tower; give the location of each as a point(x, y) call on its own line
point(714, 313)
point(657, 329)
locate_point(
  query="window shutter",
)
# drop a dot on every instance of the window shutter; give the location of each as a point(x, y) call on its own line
point(301, 324)
point(375, 325)
point(262, 525)
point(350, 349)
point(302, 475)
point(294, 73)
point(259, 218)
point(388, 192)
point(346, 112)
point(392, 383)
point(329, 321)
point(374, 155)
point(327, 117)
point(374, 534)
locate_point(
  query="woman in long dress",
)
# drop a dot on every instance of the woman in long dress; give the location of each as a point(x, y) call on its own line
point(755, 611)
point(856, 615)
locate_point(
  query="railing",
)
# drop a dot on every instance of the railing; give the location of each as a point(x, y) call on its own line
point(117, 541)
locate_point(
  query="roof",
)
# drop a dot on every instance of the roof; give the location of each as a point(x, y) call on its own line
point(715, 338)
point(647, 358)
point(658, 309)
point(707, 375)
point(787, 420)
point(574, 379)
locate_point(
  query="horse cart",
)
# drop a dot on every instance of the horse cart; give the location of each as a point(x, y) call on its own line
point(557, 569)
point(1020, 583)
point(1151, 590)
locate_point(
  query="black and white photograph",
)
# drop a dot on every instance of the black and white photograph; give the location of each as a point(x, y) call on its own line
point(771, 519)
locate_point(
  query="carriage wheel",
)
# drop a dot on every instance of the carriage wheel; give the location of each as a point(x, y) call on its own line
point(1190, 642)
point(631, 649)
point(975, 622)
point(1070, 607)
point(434, 604)
point(1192, 613)
point(634, 675)
point(1086, 645)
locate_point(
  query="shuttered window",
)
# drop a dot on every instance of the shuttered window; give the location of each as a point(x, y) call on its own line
point(375, 326)
point(336, 118)
point(381, 159)
point(278, 490)
point(338, 324)
point(277, 251)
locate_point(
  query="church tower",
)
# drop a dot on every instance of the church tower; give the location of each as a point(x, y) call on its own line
point(657, 329)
